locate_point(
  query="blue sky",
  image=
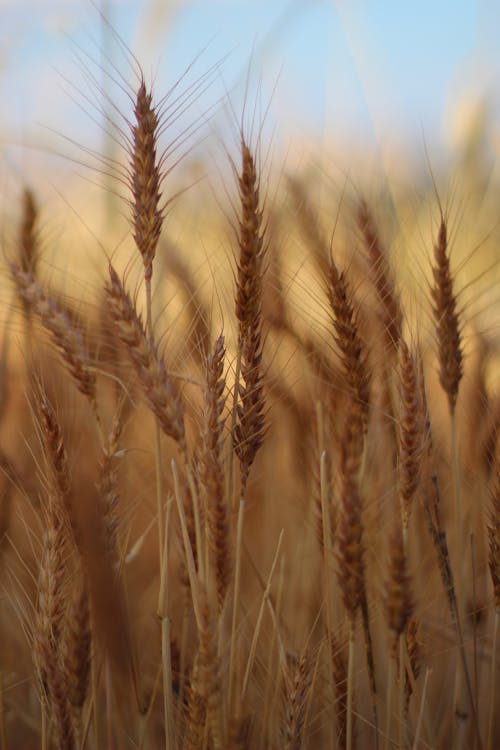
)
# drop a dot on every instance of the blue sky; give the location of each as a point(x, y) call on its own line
point(360, 72)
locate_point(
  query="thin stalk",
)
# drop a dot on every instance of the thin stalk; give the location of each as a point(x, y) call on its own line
point(327, 542)
point(401, 731)
point(234, 415)
point(3, 738)
point(421, 711)
point(474, 621)
point(165, 641)
point(457, 491)
point(461, 711)
point(327, 556)
point(197, 523)
point(491, 707)
point(237, 576)
point(390, 680)
point(309, 701)
point(109, 708)
point(163, 589)
point(44, 726)
point(439, 539)
point(94, 677)
point(167, 684)
point(193, 582)
point(147, 717)
point(270, 688)
point(157, 438)
point(350, 686)
point(265, 596)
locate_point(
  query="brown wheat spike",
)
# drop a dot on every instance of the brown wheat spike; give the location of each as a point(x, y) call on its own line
point(494, 532)
point(411, 430)
point(49, 612)
point(28, 238)
point(296, 686)
point(54, 446)
point(350, 546)
point(392, 316)
point(158, 388)
point(48, 625)
point(347, 338)
point(250, 425)
point(447, 323)
point(145, 178)
point(399, 604)
point(210, 672)
point(212, 470)
point(339, 670)
point(60, 710)
point(75, 644)
point(67, 337)
point(413, 647)
point(195, 711)
point(350, 550)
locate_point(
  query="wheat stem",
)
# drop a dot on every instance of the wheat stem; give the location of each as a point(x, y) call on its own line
point(193, 582)
point(350, 685)
point(402, 670)
point(421, 710)
point(388, 717)
point(265, 596)
point(236, 594)
point(491, 702)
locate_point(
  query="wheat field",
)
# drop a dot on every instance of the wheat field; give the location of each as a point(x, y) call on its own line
point(250, 487)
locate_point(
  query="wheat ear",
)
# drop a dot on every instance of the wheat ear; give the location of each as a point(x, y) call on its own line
point(159, 390)
point(297, 684)
point(348, 340)
point(67, 337)
point(350, 557)
point(249, 403)
point(391, 313)
point(411, 432)
point(212, 469)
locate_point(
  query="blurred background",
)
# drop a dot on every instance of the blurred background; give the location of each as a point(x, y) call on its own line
point(385, 96)
point(362, 78)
